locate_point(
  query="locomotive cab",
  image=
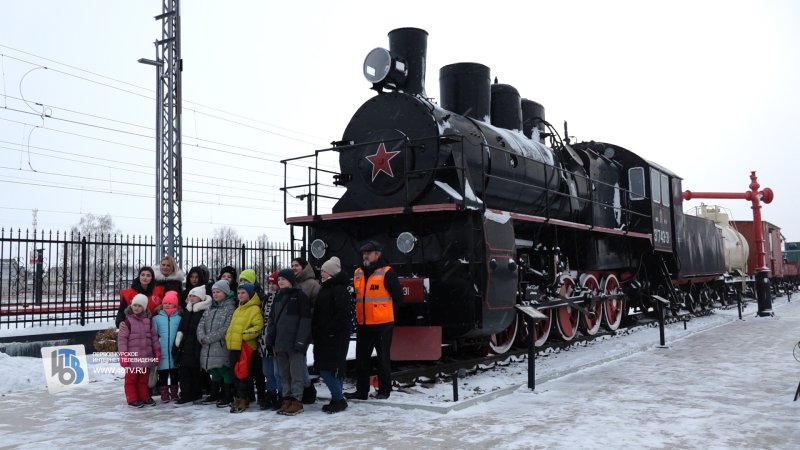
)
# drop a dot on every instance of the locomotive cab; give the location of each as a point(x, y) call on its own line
point(661, 208)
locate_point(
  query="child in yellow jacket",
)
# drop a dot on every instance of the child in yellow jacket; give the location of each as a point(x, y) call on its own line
point(245, 328)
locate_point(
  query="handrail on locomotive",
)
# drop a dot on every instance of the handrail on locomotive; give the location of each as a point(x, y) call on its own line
point(312, 202)
point(578, 294)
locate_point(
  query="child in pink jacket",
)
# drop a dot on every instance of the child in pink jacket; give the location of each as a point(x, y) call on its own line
point(139, 350)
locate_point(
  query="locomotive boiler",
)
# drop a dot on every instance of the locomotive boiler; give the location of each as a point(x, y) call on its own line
point(482, 206)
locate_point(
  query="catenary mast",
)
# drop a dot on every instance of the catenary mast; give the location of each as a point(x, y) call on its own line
point(168, 132)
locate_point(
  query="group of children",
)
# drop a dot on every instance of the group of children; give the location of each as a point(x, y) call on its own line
point(237, 344)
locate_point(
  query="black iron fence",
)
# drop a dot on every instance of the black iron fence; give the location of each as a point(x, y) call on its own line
point(63, 278)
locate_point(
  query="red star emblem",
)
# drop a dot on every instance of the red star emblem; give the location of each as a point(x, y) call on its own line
point(380, 161)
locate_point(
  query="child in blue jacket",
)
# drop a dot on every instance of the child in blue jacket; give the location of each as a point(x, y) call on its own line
point(166, 323)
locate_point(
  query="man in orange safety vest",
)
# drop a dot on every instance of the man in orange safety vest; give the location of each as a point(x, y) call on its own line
point(378, 296)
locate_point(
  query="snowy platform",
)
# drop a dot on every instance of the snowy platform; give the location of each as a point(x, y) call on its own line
point(721, 383)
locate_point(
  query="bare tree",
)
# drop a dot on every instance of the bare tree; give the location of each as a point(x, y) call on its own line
point(228, 246)
point(106, 257)
point(262, 263)
point(91, 224)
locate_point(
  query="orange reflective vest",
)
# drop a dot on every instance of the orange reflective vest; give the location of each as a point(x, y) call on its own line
point(374, 303)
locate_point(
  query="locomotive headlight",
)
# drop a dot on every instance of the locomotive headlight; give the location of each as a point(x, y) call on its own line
point(318, 248)
point(406, 242)
point(381, 68)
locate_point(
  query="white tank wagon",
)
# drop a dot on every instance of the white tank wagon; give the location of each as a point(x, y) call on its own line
point(735, 244)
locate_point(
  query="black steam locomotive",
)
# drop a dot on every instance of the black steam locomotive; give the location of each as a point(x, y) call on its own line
point(481, 206)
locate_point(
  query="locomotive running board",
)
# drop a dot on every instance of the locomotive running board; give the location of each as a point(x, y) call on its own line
point(579, 226)
point(438, 207)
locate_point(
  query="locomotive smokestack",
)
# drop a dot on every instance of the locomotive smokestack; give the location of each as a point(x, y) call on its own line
point(464, 89)
point(411, 44)
point(532, 116)
point(506, 109)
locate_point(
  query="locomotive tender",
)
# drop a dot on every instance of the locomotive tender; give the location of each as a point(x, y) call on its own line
point(481, 206)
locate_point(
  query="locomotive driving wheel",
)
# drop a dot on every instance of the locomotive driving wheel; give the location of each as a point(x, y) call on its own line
point(590, 325)
point(566, 316)
point(501, 342)
point(612, 307)
point(541, 330)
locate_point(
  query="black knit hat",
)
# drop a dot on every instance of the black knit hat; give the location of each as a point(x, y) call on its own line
point(288, 274)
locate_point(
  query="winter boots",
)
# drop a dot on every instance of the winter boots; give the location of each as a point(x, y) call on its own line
point(164, 391)
point(182, 400)
point(173, 392)
point(271, 401)
point(285, 404)
point(309, 394)
point(290, 407)
point(356, 395)
point(240, 405)
point(335, 406)
point(168, 393)
point(213, 394)
point(261, 395)
point(226, 398)
point(244, 391)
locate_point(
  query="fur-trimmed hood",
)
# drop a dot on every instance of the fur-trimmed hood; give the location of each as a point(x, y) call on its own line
point(199, 306)
point(178, 275)
point(129, 312)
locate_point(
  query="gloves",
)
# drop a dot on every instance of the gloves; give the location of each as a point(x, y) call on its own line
point(158, 356)
point(178, 338)
point(123, 361)
point(299, 347)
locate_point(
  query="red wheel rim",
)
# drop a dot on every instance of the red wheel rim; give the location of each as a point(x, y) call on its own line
point(566, 316)
point(541, 331)
point(613, 307)
point(501, 342)
point(591, 325)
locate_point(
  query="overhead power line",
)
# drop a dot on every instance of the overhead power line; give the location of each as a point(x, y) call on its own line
point(130, 183)
point(150, 150)
point(115, 216)
point(260, 157)
point(206, 180)
point(134, 194)
point(151, 94)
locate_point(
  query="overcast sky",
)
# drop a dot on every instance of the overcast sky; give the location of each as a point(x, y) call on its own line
point(708, 89)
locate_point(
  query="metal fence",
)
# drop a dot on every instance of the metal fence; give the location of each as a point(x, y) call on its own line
point(63, 278)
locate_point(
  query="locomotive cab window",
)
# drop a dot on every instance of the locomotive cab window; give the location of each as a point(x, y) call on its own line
point(655, 185)
point(636, 183)
point(664, 190)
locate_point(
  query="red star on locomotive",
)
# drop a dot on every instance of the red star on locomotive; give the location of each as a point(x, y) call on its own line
point(380, 161)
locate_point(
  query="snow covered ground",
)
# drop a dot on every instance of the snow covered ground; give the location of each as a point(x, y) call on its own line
point(722, 383)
